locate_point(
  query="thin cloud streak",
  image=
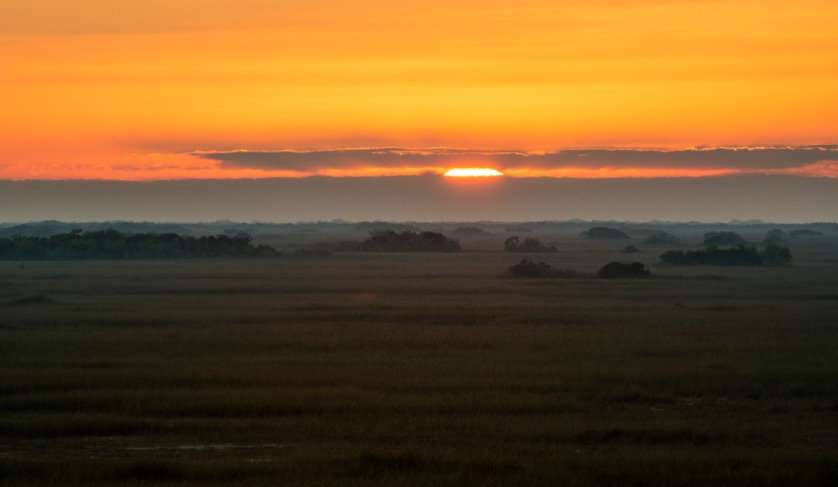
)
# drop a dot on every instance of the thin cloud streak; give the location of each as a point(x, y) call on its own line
point(813, 161)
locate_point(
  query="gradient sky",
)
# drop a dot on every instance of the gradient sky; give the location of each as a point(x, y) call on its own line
point(194, 89)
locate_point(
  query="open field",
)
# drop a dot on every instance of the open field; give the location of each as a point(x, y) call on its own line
point(419, 369)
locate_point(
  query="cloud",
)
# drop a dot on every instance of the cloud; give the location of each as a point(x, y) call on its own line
point(818, 161)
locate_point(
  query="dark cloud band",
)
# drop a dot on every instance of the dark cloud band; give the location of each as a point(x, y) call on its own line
point(767, 159)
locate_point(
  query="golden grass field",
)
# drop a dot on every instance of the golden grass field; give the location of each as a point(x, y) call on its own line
point(419, 369)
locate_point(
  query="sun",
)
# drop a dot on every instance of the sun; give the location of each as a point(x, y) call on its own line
point(473, 172)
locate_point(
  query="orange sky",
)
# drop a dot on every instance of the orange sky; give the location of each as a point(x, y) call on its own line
point(132, 89)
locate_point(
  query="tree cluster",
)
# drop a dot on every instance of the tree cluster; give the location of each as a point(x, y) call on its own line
point(409, 241)
point(513, 244)
point(604, 233)
point(773, 255)
point(715, 239)
point(111, 244)
point(528, 268)
point(775, 237)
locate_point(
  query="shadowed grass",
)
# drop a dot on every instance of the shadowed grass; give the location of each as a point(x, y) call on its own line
point(417, 370)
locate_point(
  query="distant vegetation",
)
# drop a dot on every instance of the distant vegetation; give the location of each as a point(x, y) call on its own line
point(776, 255)
point(409, 241)
point(613, 270)
point(630, 249)
point(717, 239)
point(111, 244)
point(469, 231)
point(513, 244)
point(661, 238)
point(604, 233)
point(528, 268)
point(379, 226)
point(623, 270)
point(773, 255)
point(775, 237)
point(805, 233)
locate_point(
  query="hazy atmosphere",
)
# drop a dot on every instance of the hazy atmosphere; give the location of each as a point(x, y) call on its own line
point(426, 198)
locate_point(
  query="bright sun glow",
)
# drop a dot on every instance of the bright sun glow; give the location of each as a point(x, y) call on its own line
point(473, 172)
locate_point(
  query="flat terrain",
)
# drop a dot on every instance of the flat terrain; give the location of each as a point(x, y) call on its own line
point(419, 369)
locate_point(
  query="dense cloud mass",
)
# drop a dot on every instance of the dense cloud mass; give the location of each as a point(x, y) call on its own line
point(819, 160)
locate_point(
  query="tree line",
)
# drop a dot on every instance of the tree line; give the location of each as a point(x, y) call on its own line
point(112, 244)
point(773, 255)
point(409, 241)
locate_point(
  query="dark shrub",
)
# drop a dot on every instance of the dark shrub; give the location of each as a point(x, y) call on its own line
point(739, 255)
point(527, 268)
point(513, 244)
point(623, 270)
point(776, 255)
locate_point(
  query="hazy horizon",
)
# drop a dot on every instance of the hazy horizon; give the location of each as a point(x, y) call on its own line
point(775, 199)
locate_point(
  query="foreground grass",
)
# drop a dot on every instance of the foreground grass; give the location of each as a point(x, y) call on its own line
point(372, 370)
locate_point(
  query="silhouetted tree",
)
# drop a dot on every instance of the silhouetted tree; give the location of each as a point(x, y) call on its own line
point(527, 268)
point(776, 255)
point(409, 241)
point(775, 237)
point(112, 244)
point(511, 244)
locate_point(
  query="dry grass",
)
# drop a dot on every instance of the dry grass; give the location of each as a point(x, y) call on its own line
point(365, 369)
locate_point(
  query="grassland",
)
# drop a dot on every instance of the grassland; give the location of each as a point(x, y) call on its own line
point(418, 369)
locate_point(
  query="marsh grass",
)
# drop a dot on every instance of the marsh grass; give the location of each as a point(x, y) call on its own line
point(362, 369)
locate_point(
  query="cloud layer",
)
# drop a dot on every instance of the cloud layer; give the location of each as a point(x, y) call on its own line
point(816, 161)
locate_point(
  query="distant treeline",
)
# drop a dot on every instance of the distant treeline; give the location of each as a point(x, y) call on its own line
point(773, 255)
point(112, 244)
point(409, 241)
point(513, 244)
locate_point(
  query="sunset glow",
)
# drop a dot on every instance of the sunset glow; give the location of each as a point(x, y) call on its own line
point(473, 172)
point(137, 90)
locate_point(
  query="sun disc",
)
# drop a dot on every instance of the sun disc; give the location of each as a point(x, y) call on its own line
point(473, 172)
